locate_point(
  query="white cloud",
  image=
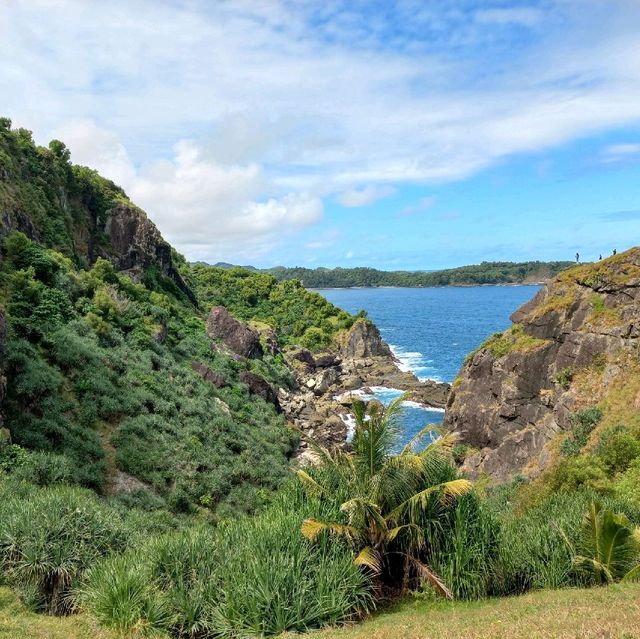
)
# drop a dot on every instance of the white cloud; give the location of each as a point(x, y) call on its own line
point(621, 152)
point(526, 16)
point(356, 197)
point(195, 201)
point(289, 103)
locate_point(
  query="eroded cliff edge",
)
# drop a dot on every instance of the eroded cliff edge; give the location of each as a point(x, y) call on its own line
point(565, 349)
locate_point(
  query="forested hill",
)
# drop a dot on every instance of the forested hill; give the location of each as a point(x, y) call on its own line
point(484, 273)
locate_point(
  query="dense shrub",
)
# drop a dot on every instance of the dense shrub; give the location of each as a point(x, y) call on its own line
point(45, 561)
point(254, 576)
point(535, 548)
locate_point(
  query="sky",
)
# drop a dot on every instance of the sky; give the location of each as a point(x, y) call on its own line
point(399, 135)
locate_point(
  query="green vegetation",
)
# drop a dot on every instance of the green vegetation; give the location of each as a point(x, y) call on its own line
point(485, 273)
point(512, 340)
point(87, 375)
point(297, 315)
point(390, 502)
point(160, 504)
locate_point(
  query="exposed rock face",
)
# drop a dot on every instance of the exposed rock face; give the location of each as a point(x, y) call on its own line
point(137, 244)
point(363, 360)
point(515, 392)
point(259, 386)
point(208, 375)
point(235, 335)
point(363, 340)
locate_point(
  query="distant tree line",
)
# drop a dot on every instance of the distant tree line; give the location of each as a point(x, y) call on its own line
point(484, 273)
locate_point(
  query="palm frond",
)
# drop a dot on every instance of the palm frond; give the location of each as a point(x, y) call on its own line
point(311, 528)
point(370, 558)
point(597, 566)
point(633, 574)
point(429, 429)
point(426, 573)
point(310, 485)
point(419, 501)
point(363, 511)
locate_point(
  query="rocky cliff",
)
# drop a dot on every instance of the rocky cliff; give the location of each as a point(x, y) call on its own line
point(76, 211)
point(565, 348)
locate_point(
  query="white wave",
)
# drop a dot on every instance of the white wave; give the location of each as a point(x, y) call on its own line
point(415, 362)
point(413, 404)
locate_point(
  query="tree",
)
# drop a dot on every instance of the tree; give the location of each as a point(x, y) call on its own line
point(390, 501)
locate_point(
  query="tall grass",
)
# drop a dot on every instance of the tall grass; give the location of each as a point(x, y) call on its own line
point(255, 576)
point(50, 537)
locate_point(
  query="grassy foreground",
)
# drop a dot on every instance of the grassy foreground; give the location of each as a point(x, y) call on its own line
point(16, 622)
point(599, 613)
point(603, 613)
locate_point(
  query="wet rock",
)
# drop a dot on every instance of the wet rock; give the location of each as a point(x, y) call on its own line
point(234, 334)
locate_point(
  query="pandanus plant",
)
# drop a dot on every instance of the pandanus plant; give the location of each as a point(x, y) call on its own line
point(608, 547)
point(391, 497)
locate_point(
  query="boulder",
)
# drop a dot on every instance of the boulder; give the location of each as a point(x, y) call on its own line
point(208, 375)
point(234, 334)
point(306, 357)
point(259, 386)
point(136, 244)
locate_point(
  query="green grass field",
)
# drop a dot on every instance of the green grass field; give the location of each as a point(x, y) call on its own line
point(596, 613)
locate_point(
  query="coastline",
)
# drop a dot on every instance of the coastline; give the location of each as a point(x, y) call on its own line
point(353, 288)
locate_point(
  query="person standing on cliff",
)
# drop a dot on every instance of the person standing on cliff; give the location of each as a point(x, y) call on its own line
point(577, 257)
point(615, 251)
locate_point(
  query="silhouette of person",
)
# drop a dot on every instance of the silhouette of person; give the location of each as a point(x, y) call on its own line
point(614, 251)
point(600, 256)
point(577, 257)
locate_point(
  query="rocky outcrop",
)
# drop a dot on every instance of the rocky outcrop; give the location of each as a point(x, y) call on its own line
point(363, 340)
point(136, 244)
point(516, 391)
point(260, 386)
point(208, 375)
point(234, 334)
point(361, 360)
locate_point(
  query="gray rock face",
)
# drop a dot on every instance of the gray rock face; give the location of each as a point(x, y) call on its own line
point(364, 340)
point(259, 386)
point(235, 335)
point(136, 244)
point(509, 405)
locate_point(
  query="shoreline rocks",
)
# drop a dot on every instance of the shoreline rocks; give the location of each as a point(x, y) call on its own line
point(361, 360)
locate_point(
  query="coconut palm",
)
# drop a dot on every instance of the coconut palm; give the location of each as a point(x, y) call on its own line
point(388, 501)
point(607, 546)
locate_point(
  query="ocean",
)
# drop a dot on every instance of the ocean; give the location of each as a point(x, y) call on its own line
point(432, 330)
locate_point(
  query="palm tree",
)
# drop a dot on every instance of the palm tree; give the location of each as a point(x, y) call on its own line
point(607, 546)
point(388, 498)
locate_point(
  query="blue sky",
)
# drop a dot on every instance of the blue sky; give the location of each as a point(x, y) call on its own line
point(409, 134)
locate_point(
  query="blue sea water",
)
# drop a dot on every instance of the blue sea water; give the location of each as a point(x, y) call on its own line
point(431, 330)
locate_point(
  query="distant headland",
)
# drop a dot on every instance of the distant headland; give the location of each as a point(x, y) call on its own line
point(495, 273)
